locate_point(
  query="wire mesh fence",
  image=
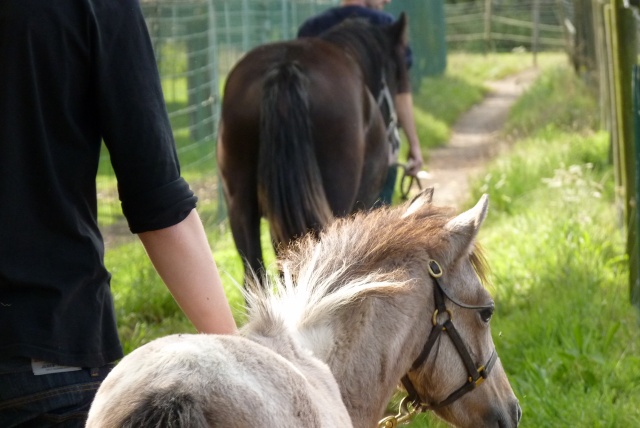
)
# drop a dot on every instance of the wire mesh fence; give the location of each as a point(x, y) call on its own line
point(196, 43)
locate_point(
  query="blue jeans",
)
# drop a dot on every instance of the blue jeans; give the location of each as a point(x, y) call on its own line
point(51, 400)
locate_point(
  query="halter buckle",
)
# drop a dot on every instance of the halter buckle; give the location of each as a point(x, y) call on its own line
point(483, 375)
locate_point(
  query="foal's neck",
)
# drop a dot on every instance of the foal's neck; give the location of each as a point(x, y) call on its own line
point(374, 345)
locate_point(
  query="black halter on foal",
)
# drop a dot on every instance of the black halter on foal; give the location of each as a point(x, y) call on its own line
point(476, 375)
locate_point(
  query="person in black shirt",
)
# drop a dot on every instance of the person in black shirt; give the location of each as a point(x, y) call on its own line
point(372, 11)
point(74, 74)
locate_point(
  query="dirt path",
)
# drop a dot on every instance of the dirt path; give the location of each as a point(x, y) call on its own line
point(475, 140)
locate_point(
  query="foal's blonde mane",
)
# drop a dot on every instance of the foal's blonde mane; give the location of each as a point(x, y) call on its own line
point(354, 257)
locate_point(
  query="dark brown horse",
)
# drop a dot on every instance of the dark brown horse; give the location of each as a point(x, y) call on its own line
point(303, 135)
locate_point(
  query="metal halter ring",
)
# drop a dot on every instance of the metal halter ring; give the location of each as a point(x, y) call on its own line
point(434, 269)
point(434, 318)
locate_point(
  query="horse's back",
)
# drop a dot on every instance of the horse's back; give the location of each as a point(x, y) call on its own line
point(332, 78)
point(208, 381)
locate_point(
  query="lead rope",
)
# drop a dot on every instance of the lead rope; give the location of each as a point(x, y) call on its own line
point(393, 135)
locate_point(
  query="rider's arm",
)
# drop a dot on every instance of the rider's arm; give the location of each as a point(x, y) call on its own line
point(404, 107)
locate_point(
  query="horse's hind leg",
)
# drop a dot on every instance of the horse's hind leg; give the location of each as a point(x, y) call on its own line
point(376, 158)
point(237, 160)
point(244, 215)
point(244, 218)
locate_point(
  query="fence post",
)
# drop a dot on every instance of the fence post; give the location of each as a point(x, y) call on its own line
point(623, 35)
point(535, 34)
point(601, 61)
point(286, 25)
point(614, 128)
point(487, 26)
point(199, 91)
point(221, 211)
point(634, 255)
point(246, 44)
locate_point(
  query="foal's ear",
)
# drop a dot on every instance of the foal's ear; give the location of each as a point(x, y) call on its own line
point(464, 228)
point(423, 199)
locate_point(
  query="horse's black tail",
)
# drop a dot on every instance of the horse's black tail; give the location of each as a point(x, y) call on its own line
point(167, 409)
point(291, 192)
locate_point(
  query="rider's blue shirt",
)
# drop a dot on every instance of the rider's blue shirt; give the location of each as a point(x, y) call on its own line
point(320, 23)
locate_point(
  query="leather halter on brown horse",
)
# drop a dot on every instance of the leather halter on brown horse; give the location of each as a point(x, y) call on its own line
point(476, 375)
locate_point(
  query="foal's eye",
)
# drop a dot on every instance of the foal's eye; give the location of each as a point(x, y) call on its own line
point(486, 314)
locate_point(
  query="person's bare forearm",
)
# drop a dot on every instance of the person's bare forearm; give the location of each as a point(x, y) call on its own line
point(183, 259)
point(404, 108)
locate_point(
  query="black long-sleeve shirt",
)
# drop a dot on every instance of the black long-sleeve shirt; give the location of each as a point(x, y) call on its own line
point(72, 74)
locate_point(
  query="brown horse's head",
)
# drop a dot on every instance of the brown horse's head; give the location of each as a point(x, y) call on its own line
point(373, 45)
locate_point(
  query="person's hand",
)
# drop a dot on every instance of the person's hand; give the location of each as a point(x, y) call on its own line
point(414, 162)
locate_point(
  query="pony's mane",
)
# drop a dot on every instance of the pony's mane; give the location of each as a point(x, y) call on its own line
point(358, 33)
point(354, 257)
point(368, 43)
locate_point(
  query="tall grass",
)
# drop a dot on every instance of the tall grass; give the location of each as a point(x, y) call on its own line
point(564, 326)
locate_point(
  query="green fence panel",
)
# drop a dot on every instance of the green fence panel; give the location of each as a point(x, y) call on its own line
point(427, 36)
